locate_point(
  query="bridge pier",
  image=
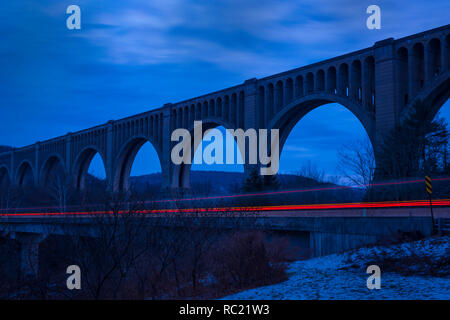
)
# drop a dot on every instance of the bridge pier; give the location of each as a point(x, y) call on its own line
point(325, 243)
point(29, 253)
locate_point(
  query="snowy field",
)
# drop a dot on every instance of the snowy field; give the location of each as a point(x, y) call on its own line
point(343, 276)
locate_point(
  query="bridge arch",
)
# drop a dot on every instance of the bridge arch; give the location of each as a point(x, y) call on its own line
point(81, 166)
point(25, 174)
point(125, 159)
point(181, 173)
point(286, 120)
point(53, 168)
point(434, 95)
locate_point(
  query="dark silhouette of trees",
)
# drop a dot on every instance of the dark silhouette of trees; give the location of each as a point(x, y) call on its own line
point(257, 183)
point(417, 146)
point(254, 182)
point(271, 182)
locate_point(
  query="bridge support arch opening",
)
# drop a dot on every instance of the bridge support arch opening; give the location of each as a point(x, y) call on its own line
point(181, 176)
point(25, 175)
point(88, 157)
point(124, 165)
point(53, 173)
point(310, 142)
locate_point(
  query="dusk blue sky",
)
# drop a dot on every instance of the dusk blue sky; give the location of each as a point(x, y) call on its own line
point(133, 56)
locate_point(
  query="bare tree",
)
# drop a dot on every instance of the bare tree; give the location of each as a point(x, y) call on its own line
point(108, 245)
point(357, 163)
point(59, 190)
point(311, 171)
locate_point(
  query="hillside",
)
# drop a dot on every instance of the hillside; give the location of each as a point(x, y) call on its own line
point(221, 182)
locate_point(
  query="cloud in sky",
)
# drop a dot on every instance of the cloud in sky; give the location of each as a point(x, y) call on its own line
point(244, 35)
point(133, 56)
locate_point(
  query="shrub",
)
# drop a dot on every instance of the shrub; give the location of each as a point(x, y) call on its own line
point(246, 259)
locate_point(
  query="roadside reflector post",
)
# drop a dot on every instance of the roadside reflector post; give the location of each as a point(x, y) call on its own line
point(429, 189)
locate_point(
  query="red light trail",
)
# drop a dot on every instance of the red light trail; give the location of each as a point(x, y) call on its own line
point(360, 205)
point(247, 194)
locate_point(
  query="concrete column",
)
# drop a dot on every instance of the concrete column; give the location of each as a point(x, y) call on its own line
point(261, 107)
point(288, 89)
point(241, 108)
point(385, 89)
point(109, 165)
point(12, 169)
point(316, 82)
point(29, 253)
point(283, 95)
point(69, 154)
point(445, 62)
point(166, 162)
point(36, 164)
point(251, 116)
point(428, 71)
point(305, 85)
point(351, 82)
point(411, 73)
point(268, 105)
point(251, 112)
point(365, 84)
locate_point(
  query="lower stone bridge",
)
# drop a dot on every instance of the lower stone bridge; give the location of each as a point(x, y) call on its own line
point(319, 232)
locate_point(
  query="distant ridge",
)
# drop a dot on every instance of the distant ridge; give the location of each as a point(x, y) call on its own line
point(220, 182)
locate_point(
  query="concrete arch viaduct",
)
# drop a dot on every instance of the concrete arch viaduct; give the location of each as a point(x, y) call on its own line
point(378, 85)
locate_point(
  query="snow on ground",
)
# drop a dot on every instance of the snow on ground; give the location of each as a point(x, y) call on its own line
point(343, 276)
